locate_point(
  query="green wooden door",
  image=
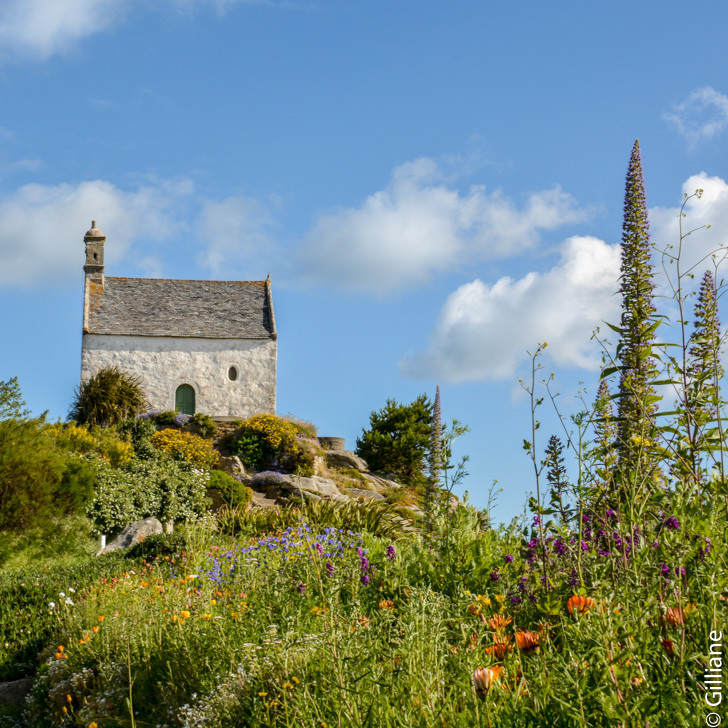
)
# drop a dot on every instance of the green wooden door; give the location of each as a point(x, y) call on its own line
point(184, 399)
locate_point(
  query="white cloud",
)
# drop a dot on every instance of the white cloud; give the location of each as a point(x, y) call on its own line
point(702, 116)
point(710, 209)
point(483, 332)
point(418, 226)
point(234, 231)
point(41, 28)
point(41, 233)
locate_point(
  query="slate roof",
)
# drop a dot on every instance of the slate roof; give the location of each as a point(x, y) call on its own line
point(162, 307)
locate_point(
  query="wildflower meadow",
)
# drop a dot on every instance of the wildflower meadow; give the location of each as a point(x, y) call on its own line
point(604, 606)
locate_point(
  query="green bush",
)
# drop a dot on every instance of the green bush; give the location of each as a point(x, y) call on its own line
point(109, 397)
point(163, 488)
point(205, 424)
point(38, 481)
point(232, 491)
point(160, 544)
point(139, 430)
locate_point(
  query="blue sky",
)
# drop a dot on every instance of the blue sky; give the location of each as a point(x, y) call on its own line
point(434, 188)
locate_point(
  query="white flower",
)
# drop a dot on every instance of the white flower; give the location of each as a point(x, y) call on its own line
point(69, 601)
point(61, 594)
point(52, 605)
point(72, 590)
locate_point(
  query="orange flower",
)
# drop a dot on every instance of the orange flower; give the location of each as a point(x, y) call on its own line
point(499, 622)
point(101, 617)
point(580, 604)
point(669, 646)
point(501, 646)
point(528, 641)
point(484, 677)
point(94, 629)
point(386, 604)
point(677, 616)
point(184, 614)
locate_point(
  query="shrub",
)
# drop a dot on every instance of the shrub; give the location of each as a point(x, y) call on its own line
point(32, 471)
point(205, 424)
point(166, 489)
point(267, 442)
point(160, 544)
point(232, 491)
point(79, 439)
point(139, 430)
point(109, 397)
point(186, 447)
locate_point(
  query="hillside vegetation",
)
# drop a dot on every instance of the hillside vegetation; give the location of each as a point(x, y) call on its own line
point(605, 607)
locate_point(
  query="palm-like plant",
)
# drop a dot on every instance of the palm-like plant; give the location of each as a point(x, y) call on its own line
point(109, 397)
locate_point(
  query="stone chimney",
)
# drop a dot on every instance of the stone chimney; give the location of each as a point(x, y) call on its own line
point(94, 268)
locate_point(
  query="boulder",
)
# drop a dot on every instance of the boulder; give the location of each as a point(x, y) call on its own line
point(230, 465)
point(15, 691)
point(133, 534)
point(369, 494)
point(315, 484)
point(378, 483)
point(344, 459)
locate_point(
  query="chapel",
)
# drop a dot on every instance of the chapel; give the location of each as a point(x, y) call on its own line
point(196, 346)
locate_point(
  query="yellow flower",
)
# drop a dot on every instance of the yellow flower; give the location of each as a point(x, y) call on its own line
point(262, 695)
point(287, 686)
point(184, 615)
point(69, 698)
point(93, 725)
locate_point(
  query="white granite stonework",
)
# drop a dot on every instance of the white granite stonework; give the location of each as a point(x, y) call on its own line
point(163, 363)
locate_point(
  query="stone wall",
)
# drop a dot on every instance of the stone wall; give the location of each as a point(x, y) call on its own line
point(163, 363)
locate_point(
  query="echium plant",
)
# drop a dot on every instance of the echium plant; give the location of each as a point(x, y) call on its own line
point(435, 460)
point(638, 370)
point(704, 372)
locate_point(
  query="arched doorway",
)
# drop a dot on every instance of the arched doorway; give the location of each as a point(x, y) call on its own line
point(184, 399)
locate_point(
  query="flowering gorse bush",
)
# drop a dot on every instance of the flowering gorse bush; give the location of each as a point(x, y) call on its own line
point(267, 442)
point(186, 447)
point(81, 439)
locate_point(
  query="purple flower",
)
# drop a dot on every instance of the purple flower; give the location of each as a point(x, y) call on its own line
point(584, 546)
point(180, 420)
point(365, 579)
point(301, 588)
point(329, 568)
point(515, 599)
point(665, 570)
point(672, 523)
point(494, 576)
point(391, 553)
point(508, 559)
point(609, 513)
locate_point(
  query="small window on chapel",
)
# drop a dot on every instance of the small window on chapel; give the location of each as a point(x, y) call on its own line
point(232, 373)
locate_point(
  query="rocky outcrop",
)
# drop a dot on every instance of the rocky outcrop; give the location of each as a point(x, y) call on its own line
point(366, 494)
point(133, 534)
point(344, 459)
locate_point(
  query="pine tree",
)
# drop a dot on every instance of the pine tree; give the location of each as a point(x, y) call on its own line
point(637, 398)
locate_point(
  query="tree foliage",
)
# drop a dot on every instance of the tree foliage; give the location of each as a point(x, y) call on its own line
point(109, 397)
point(398, 439)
